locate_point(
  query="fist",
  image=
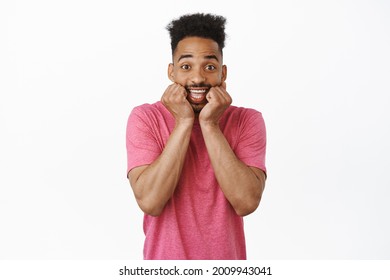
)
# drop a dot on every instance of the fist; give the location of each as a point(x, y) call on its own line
point(175, 100)
point(218, 101)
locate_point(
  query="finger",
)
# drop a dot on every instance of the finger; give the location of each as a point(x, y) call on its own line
point(180, 89)
point(172, 93)
point(217, 92)
point(220, 93)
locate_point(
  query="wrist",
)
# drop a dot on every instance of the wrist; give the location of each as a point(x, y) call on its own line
point(209, 125)
point(185, 122)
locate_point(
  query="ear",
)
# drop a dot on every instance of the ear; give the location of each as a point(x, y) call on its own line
point(224, 73)
point(171, 76)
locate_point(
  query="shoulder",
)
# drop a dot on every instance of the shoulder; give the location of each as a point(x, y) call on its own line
point(155, 108)
point(153, 111)
point(241, 114)
point(151, 117)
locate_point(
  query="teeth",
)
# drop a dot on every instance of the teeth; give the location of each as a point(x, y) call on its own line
point(196, 96)
point(197, 91)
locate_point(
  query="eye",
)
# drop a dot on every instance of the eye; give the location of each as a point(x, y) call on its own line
point(210, 67)
point(185, 67)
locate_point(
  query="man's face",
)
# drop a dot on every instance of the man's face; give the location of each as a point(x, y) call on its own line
point(197, 66)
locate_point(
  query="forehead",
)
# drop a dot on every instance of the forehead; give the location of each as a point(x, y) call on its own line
point(197, 47)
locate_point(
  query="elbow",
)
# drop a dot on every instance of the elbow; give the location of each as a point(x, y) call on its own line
point(247, 207)
point(245, 211)
point(148, 204)
point(249, 202)
point(150, 208)
point(155, 212)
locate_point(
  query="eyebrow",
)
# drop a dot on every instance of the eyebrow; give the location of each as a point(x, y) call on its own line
point(191, 56)
point(212, 57)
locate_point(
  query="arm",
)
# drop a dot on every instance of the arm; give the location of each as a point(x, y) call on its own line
point(242, 185)
point(154, 184)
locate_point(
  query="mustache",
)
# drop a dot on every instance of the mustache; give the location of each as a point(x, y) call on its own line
point(201, 85)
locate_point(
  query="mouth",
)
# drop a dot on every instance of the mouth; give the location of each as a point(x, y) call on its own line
point(197, 95)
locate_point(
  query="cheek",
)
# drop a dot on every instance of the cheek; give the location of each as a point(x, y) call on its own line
point(219, 75)
point(179, 78)
point(215, 79)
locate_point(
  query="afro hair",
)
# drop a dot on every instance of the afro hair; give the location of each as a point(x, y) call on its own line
point(197, 25)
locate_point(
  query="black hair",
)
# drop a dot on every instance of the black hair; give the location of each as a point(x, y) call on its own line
point(198, 25)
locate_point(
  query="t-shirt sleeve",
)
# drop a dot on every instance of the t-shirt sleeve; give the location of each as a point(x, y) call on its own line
point(251, 141)
point(142, 147)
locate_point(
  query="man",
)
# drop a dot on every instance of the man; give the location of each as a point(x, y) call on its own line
point(196, 163)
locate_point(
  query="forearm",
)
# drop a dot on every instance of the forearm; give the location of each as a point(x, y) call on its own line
point(239, 183)
point(157, 182)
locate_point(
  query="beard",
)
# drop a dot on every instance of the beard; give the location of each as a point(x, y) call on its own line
point(197, 107)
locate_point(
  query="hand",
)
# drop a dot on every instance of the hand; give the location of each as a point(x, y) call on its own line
point(218, 101)
point(174, 99)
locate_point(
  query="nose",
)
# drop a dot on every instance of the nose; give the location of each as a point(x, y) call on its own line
point(198, 76)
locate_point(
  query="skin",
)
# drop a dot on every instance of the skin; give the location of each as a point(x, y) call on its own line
point(197, 61)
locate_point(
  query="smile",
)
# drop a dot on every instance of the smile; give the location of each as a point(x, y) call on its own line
point(197, 95)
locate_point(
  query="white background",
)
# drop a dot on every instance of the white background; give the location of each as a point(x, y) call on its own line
point(71, 71)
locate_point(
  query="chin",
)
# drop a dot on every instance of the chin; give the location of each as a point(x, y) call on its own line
point(197, 107)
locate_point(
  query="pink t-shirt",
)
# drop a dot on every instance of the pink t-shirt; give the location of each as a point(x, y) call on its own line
point(197, 222)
